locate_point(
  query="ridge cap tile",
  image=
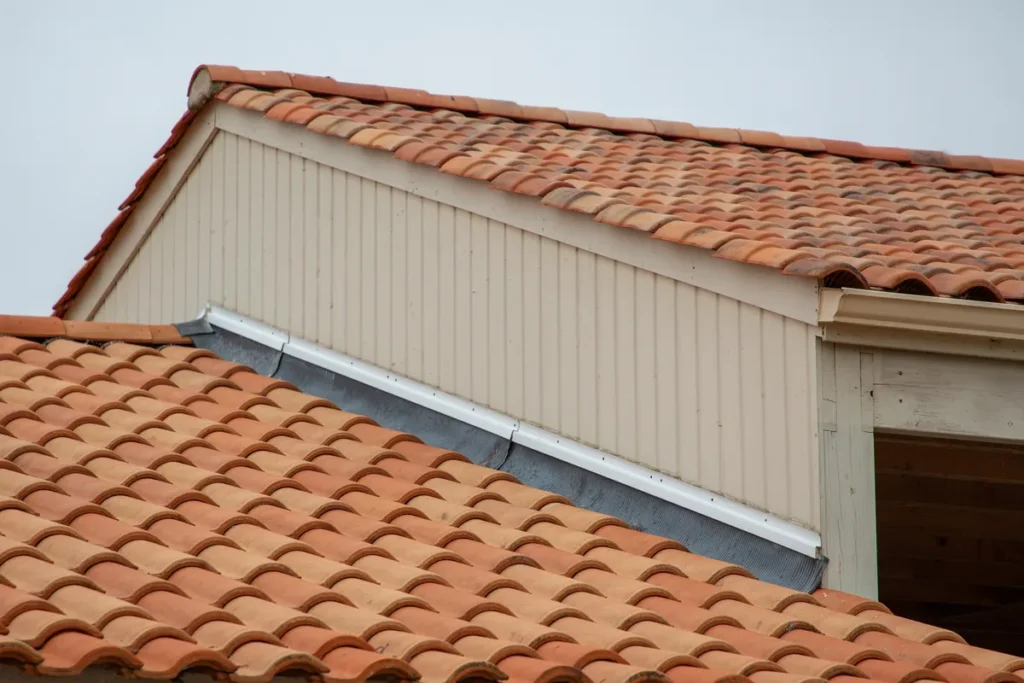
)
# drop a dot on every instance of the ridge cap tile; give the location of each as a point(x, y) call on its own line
point(212, 572)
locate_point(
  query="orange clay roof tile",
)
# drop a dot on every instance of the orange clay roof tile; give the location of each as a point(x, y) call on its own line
point(844, 213)
point(160, 563)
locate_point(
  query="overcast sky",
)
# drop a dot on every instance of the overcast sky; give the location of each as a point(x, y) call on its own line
point(91, 89)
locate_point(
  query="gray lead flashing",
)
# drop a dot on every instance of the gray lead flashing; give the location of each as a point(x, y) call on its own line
point(769, 561)
point(193, 327)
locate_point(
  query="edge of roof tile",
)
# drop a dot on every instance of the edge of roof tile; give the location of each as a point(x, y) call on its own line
point(208, 79)
point(46, 327)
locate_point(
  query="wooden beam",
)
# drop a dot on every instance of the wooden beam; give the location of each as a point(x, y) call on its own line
point(936, 546)
point(993, 574)
point(847, 469)
point(946, 592)
point(952, 520)
point(949, 457)
point(927, 393)
point(906, 487)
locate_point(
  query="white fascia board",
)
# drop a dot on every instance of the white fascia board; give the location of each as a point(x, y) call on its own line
point(756, 522)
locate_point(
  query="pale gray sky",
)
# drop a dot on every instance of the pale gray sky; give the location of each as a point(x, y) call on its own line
point(91, 89)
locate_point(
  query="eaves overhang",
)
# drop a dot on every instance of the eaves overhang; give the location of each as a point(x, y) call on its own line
point(921, 323)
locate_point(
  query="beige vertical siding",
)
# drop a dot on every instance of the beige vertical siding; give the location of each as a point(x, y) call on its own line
point(717, 392)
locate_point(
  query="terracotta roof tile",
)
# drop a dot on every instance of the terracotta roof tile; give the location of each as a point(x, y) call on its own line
point(228, 558)
point(794, 204)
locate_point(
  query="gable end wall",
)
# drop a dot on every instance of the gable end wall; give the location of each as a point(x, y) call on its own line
point(717, 392)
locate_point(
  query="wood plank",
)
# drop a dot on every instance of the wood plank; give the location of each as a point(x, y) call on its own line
point(952, 520)
point(950, 457)
point(955, 410)
point(966, 572)
point(945, 592)
point(944, 547)
point(907, 487)
point(847, 470)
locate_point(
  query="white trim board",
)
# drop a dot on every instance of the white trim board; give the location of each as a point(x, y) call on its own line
point(751, 520)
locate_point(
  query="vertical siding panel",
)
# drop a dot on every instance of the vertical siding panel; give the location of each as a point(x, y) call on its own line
point(645, 351)
point(479, 346)
point(568, 334)
point(709, 425)
point(586, 352)
point(323, 280)
point(179, 263)
point(463, 304)
point(279, 234)
point(752, 396)
point(550, 332)
point(113, 312)
point(531, 328)
point(382, 276)
point(399, 283)
point(121, 312)
point(607, 386)
point(339, 228)
point(414, 302)
point(368, 252)
point(687, 388)
point(308, 266)
point(134, 307)
point(812, 434)
point(155, 273)
point(200, 250)
point(798, 415)
point(217, 224)
point(434, 296)
point(166, 254)
point(514, 324)
point(291, 311)
point(368, 296)
point(232, 176)
point(188, 252)
point(251, 263)
point(353, 331)
point(625, 360)
point(730, 416)
point(773, 361)
point(141, 280)
point(121, 307)
point(446, 334)
point(497, 385)
point(271, 217)
point(666, 356)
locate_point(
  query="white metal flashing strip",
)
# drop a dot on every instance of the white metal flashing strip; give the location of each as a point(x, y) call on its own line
point(762, 524)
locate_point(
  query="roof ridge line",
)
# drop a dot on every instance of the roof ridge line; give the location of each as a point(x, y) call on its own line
point(48, 327)
point(207, 79)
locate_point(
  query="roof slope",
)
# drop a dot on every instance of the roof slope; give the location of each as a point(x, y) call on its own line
point(902, 220)
point(162, 509)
